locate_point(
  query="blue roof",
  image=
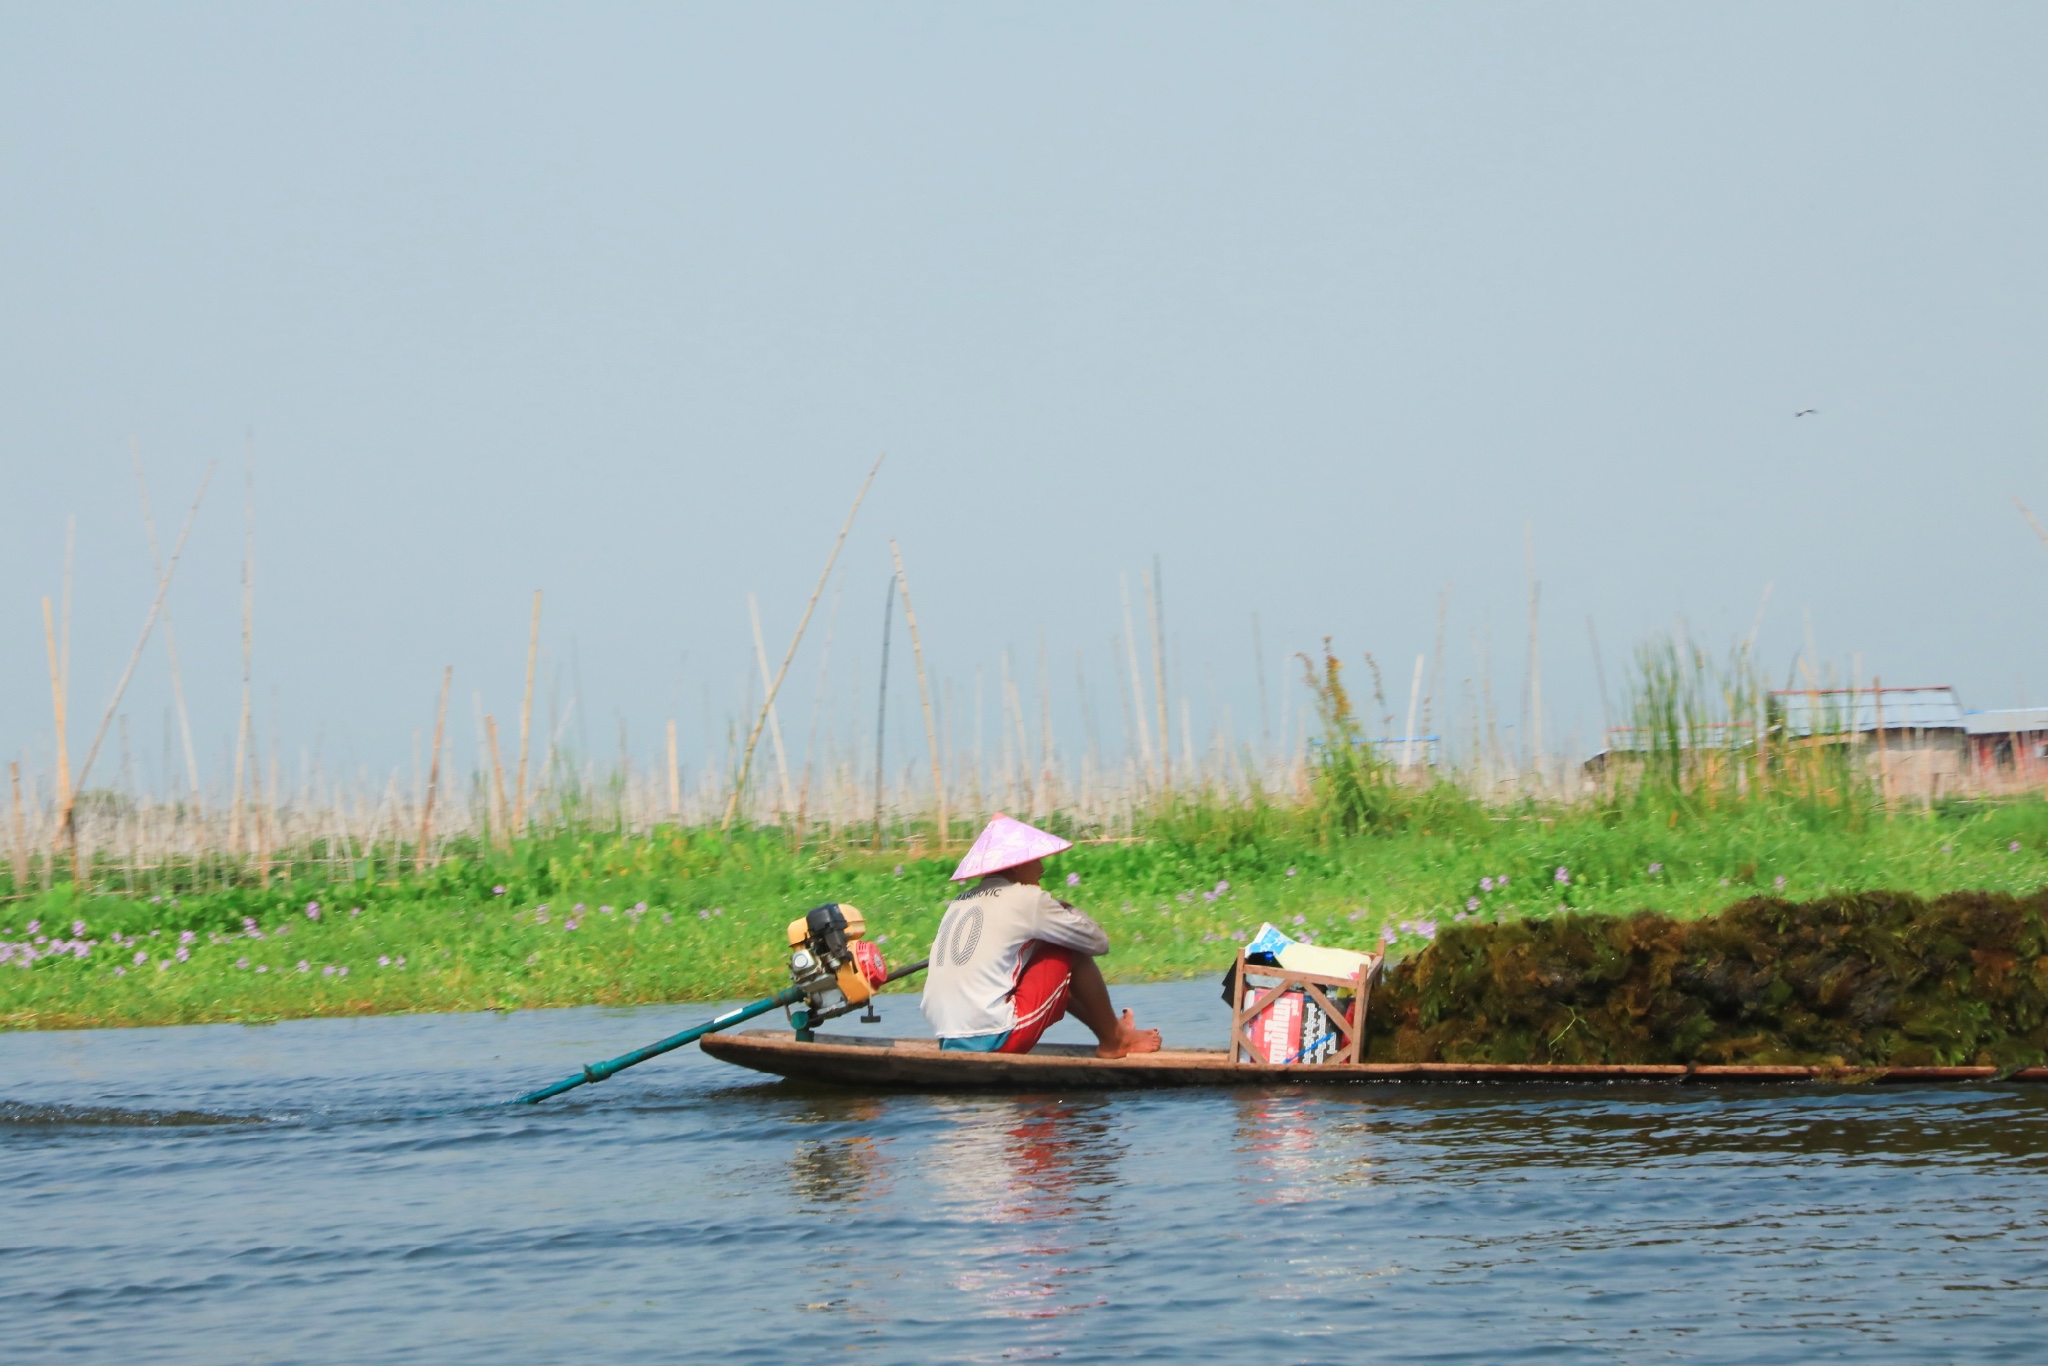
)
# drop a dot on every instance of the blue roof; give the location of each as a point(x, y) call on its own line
point(2019, 720)
point(1834, 711)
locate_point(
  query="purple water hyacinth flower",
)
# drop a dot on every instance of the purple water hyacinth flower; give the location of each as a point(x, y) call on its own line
point(1208, 896)
point(2013, 848)
point(640, 908)
point(355, 910)
point(327, 971)
point(304, 966)
point(341, 971)
point(120, 972)
point(383, 960)
point(569, 924)
point(668, 917)
point(34, 925)
point(498, 890)
point(1301, 920)
point(1471, 903)
point(249, 927)
point(263, 967)
point(187, 937)
point(312, 910)
point(242, 964)
point(540, 915)
point(140, 958)
point(1426, 928)
point(604, 910)
point(1656, 868)
point(155, 900)
point(1948, 848)
point(1073, 879)
point(899, 870)
point(1222, 887)
point(718, 910)
point(183, 953)
point(1779, 882)
point(1387, 935)
point(1290, 872)
point(401, 960)
point(1486, 884)
point(578, 908)
point(77, 927)
point(1564, 877)
point(1500, 883)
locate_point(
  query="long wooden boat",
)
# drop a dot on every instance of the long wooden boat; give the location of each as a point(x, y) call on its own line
point(849, 1060)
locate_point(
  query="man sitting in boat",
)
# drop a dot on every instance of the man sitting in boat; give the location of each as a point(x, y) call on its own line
point(1011, 958)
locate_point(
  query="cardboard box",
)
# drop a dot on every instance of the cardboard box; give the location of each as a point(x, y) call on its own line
point(1276, 1019)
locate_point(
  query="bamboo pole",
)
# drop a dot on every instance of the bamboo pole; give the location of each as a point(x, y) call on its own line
point(882, 707)
point(170, 637)
point(58, 710)
point(803, 796)
point(1155, 604)
point(774, 718)
point(1414, 701)
point(1137, 679)
point(675, 781)
point(1535, 659)
point(526, 720)
point(163, 588)
point(739, 785)
point(1436, 663)
point(243, 736)
point(266, 806)
point(1884, 758)
point(501, 833)
point(419, 862)
point(20, 833)
point(924, 692)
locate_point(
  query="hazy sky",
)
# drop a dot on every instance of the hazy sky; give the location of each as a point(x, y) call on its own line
point(1322, 304)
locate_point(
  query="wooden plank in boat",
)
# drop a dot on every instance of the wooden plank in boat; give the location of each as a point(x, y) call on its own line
point(853, 1060)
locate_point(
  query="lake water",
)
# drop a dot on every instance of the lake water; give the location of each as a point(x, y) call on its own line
point(384, 1210)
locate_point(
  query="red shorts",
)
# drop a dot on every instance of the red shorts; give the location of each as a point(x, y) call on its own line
point(1040, 996)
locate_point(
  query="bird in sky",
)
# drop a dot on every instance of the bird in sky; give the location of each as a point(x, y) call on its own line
point(1805, 411)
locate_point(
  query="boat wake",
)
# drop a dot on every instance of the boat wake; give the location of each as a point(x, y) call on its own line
point(15, 1115)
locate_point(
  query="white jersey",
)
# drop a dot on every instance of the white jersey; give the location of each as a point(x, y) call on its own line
point(979, 953)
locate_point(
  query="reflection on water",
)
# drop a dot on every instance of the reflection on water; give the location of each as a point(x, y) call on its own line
point(1300, 1146)
point(848, 1171)
point(687, 1210)
point(1038, 1175)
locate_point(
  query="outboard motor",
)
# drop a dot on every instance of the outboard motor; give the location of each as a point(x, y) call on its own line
point(833, 965)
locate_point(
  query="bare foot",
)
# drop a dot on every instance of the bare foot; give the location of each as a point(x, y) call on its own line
point(1129, 1039)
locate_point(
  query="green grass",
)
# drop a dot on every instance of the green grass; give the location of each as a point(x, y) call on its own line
point(715, 909)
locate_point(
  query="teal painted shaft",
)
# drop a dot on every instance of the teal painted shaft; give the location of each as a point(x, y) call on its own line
point(599, 1071)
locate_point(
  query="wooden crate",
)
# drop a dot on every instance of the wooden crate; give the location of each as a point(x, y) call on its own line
point(1316, 988)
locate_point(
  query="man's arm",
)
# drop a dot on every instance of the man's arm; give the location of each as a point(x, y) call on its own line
point(1058, 923)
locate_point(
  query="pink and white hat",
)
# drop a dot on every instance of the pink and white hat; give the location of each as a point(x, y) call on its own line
point(1005, 843)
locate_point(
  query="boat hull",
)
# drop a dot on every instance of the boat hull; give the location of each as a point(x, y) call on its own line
point(920, 1064)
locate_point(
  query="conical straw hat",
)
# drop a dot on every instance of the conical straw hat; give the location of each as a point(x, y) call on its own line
point(1005, 843)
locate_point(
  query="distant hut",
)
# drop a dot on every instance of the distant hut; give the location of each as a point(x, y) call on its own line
point(2008, 749)
point(1912, 741)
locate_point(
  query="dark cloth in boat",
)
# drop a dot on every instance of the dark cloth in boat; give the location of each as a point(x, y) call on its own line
point(984, 948)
